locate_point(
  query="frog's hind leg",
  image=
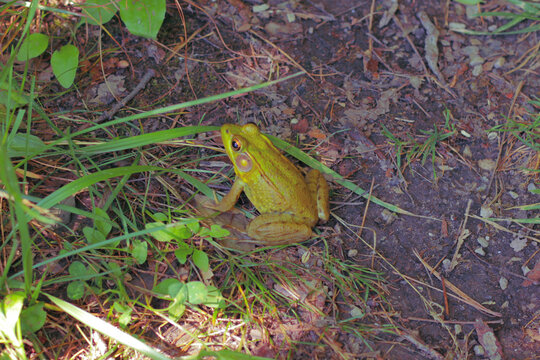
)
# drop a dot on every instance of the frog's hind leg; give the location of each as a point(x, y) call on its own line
point(278, 229)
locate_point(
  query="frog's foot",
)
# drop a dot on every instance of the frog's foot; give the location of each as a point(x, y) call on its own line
point(233, 220)
point(278, 229)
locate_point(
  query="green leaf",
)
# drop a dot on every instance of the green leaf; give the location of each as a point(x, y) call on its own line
point(176, 310)
point(216, 231)
point(64, 64)
point(23, 144)
point(75, 290)
point(182, 252)
point(201, 260)
point(140, 251)
point(214, 298)
point(15, 98)
point(77, 269)
point(33, 46)
point(10, 311)
point(164, 235)
point(162, 288)
point(179, 293)
point(180, 231)
point(33, 318)
point(469, 2)
point(99, 12)
point(143, 17)
point(194, 226)
point(102, 221)
point(92, 235)
point(197, 292)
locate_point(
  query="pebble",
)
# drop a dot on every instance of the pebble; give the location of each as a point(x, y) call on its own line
point(483, 242)
point(503, 283)
point(480, 251)
point(499, 62)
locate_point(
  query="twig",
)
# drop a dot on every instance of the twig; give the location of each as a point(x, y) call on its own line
point(463, 234)
point(464, 297)
point(109, 114)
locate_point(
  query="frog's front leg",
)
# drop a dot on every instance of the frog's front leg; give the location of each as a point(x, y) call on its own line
point(318, 188)
point(228, 201)
point(279, 229)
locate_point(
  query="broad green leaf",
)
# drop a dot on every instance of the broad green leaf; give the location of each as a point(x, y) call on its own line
point(75, 290)
point(102, 221)
point(176, 310)
point(93, 236)
point(162, 288)
point(10, 311)
point(161, 235)
point(23, 144)
point(197, 292)
point(12, 98)
point(33, 318)
point(99, 12)
point(182, 252)
point(178, 292)
point(181, 232)
point(64, 64)
point(216, 231)
point(214, 298)
point(201, 260)
point(77, 269)
point(140, 251)
point(143, 17)
point(33, 46)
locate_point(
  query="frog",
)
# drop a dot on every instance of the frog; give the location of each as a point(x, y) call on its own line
point(289, 203)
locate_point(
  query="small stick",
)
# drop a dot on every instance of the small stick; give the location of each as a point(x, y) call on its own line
point(109, 114)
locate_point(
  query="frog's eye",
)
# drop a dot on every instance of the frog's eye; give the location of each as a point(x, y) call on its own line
point(236, 144)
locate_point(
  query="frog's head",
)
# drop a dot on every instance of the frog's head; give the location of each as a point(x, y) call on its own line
point(241, 143)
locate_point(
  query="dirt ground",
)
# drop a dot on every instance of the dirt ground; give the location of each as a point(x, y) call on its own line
point(370, 73)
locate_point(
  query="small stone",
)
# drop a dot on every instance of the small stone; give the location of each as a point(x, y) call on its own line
point(531, 187)
point(505, 305)
point(446, 264)
point(518, 244)
point(503, 283)
point(479, 350)
point(467, 152)
point(352, 253)
point(455, 26)
point(477, 70)
point(493, 136)
point(480, 251)
point(525, 270)
point(457, 329)
point(513, 195)
point(470, 50)
point(483, 242)
point(476, 59)
point(499, 62)
point(486, 212)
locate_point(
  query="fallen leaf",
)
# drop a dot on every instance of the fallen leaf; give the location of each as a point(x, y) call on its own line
point(487, 339)
point(533, 276)
point(317, 134)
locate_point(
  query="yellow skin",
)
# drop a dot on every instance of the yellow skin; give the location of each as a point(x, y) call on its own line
point(290, 204)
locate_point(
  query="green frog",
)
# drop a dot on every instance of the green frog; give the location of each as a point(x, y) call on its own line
point(289, 203)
